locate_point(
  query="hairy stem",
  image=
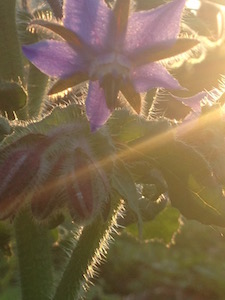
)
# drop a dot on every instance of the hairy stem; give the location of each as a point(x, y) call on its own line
point(11, 67)
point(69, 286)
point(35, 265)
point(36, 85)
point(91, 245)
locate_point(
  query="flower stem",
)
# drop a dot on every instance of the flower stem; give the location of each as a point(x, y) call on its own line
point(36, 85)
point(11, 67)
point(69, 286)
point(33, 249)
point(92, 244)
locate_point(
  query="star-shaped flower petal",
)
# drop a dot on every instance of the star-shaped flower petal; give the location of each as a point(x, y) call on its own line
point(196, 103)
point(117, 51)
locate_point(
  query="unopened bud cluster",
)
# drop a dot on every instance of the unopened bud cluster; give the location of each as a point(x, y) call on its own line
point(50, 173)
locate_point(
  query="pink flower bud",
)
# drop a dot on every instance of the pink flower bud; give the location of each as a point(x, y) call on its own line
point(47, 196)
point(79, 188)
point(16, 174)
point(20, 162)
point(85, 188)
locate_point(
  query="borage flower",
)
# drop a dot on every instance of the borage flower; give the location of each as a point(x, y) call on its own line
point(115, 49)
point(199, 105)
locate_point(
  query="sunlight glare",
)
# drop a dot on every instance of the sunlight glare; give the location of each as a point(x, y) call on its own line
point(193, 4)
point(220, 21)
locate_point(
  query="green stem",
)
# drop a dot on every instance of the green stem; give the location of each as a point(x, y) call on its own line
point(91, 245)
point(36, 85)
point(69, 286)
point(11, 67)
point(35, 265)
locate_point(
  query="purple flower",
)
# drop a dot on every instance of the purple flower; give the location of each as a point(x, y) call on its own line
point(115, 49)
point(196, 103)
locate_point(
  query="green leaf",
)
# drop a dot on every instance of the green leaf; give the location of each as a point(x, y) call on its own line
point(192, 188)
point(133, 129)
point(124, 126)
point(163, 227)
point(69, 115)
point(149, 209)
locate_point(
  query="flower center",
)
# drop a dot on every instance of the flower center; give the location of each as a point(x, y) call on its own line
point(113, 64)
point(111, 70)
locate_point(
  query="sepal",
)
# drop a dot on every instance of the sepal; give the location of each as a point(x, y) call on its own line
point(86, 191)
point(163, 51)
point(123, 183)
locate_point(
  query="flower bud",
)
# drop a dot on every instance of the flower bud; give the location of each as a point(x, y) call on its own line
point(19, 164)
point(85, 188)
point(16, 173)
point(48, 195)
